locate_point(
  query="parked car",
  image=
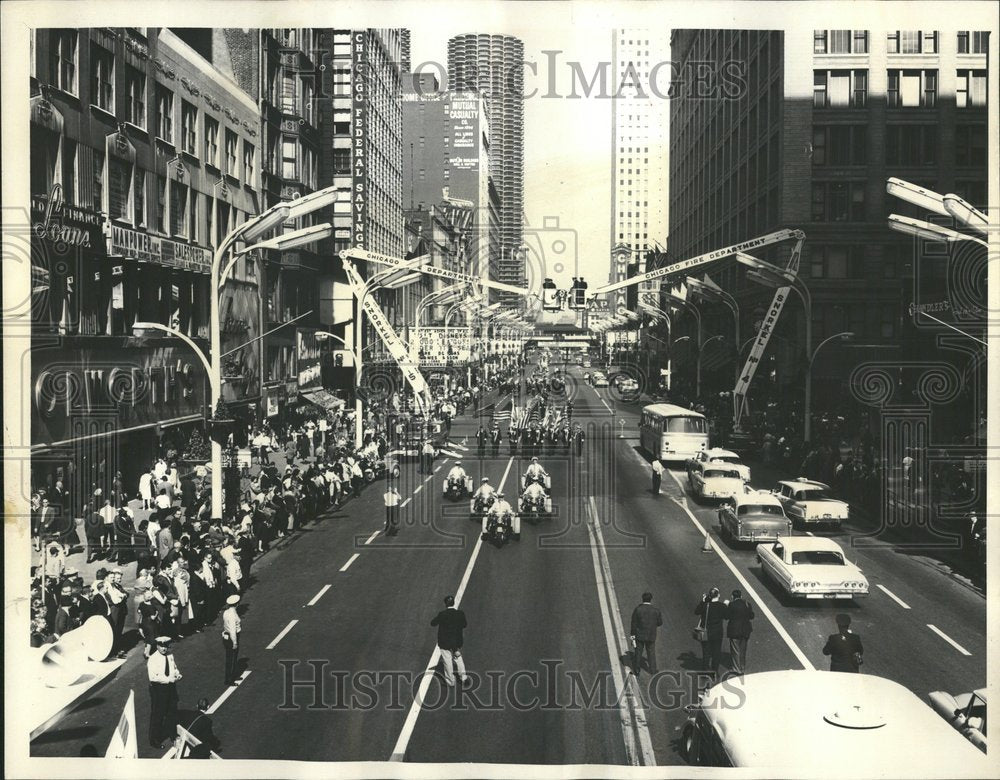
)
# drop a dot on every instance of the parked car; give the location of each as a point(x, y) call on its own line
point(811, 567)
point(715, 480)
point(965, 712)
point(597, 379)
point(754, 516)
point(719, 455)
point(809, 503)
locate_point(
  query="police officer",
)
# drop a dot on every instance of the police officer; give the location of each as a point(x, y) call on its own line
point(844, 647)
point(163, 676)
point(481, 438)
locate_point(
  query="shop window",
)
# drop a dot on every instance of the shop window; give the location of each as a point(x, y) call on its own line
point(120, 181)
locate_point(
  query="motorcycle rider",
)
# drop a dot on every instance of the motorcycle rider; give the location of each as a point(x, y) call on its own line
point(484, 494)
point(534, 494)
point(457, 474)
point(500, 510)
point(536, 472)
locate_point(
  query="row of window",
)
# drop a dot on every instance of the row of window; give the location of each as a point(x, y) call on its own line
point(905, 88)
point(897, 42)
point(63, 57)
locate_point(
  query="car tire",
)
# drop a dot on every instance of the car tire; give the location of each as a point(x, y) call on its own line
point(689, 744)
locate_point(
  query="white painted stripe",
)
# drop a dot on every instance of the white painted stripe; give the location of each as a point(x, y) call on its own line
point(437, 469)
point(371, 538)
point(633, 714)
point(948, 639)
point(319, 595)
point(418, 488)
point(407, 501)
point(281, 636)
point(893, 596)
point(747, 587)
point(399, 751)
point(352, 559)
point(227, 693)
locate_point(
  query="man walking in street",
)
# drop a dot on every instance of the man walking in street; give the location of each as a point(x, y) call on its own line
point(163, 676)
point(451, 623)
point(739, 615)
point(231, 627)
point(844, 647)
point(646, 619)
point(392, 501)
point(657, 476)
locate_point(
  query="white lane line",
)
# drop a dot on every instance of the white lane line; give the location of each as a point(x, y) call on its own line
point(428, 478)
point(748, 588)
point(351, 560)
point(418, 488)
point(227, 693)
point(437, 469)
point(319, 595)
point(633, 714)
point(892, 595)
point(399, 751)
point(371, 538)
point(281, 636)
point(948, 639)
point(407, 501)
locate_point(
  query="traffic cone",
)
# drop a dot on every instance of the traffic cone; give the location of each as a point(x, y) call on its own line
point(707, 545)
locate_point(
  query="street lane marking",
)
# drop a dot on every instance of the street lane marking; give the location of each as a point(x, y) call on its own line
point(893, 596)
point(399, 751)
point(633, 714)
point(437, 469)
point(748, 588)
point(281, 636)
point(371, 538)
point(324, 589)
point(948, 639)
point(351, 560)
point(418, 488)
point(227, 693)
point(407, 501)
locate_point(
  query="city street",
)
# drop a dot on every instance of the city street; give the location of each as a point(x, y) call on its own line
point(350, 608)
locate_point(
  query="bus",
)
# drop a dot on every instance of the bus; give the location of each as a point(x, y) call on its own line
point(670, 432)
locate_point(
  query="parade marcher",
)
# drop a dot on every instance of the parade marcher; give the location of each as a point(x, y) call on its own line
point(739, 617)
point(481, 438)
point(844, 647)
point(495, 438)
point(231, 627)
point(451, 624)
point(579, 438)
point(392, 500)
point(646, 619)
point(161, 667)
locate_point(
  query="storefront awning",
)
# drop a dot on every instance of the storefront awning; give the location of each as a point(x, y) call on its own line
point(323, 400)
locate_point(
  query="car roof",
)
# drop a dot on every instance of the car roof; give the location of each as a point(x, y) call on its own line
point(671, 410)
point(718, 452)
point(894, 732)
point(797, 543)
point(760, 497)
point(803, 484)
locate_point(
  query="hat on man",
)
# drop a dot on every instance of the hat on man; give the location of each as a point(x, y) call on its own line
point(164, 641)
point(485, 479)
point(234, 599)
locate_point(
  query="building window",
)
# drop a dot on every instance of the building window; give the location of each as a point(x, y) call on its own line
point(973, 192)
point(62, 59)
point(912, 42)
point(970, 91)
point(836, 262)
point(189, 125)
point(210, 220)
point(139, 198)
point(231, 169)
point(860, 42)
point(888, 323)
point(341, 161)
point(839, 145)
point(69, 170)
point(44, 159)
point(194, 217)
point(98, 181)
point(120, 189)
point(911, 145)
point(840, 88)
point(248, 167)
point(980, 42)
point(288, 158)
point(970, 145)
point(178, 209)
point(840, 41)
point(307, 101)
point(211, 141)
point(135, 96)
point(838, 202)
point(164, 113)
point(102, 78)
point(911, 88)
point(161, 204)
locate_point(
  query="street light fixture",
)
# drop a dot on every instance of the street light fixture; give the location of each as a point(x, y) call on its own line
point(966, 213)
point(929, 231)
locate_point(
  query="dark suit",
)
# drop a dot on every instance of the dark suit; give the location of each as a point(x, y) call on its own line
point(645, 620)
point(450, 624)
point(739, 614)
point(841, 649)
point(714, 613)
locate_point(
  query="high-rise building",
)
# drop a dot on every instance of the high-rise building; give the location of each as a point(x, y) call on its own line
point(806, 138)
point(493, 65)
point(639, 141)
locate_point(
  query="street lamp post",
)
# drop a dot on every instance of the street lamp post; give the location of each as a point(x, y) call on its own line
point(808, 401)
point(358, 427)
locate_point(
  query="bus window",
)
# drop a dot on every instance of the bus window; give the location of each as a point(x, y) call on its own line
point(684, 425)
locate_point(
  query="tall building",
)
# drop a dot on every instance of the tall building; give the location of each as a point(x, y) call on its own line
point(145, 154)
point(820, 120)
point(493, 65)
point(639, 151)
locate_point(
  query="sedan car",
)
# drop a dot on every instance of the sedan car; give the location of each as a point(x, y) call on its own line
point(811, 567)
point(754, 516)
point(597, 379)
point(966, 712)
point(719, 455)
point(715, 480)
point(809, 503)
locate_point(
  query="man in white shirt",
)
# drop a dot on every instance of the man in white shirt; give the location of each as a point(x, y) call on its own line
point(108, 514)
point(162, 503)
point(392, 501)
point(231, 627)
point(500, 510)
point(535, 472)
point(163, 676)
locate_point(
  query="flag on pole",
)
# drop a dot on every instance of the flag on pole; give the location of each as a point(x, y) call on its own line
point(123, 742)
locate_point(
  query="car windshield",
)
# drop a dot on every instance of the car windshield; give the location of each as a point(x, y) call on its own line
point(720, 473)
point(760, 509)
point(818, 557)
point(817, 494)
point(684, 425)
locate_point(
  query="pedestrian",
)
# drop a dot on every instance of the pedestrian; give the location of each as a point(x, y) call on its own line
point(146, 489)
point(161, 667)
point(451, 624)
point(844, 647)
point(108, 514)
point(231, 627)
point(93, 529)
point(117, 599)
point(657, 476)
point(646, 619)
point(713, 613)
point(739, 615)
point(392, 500)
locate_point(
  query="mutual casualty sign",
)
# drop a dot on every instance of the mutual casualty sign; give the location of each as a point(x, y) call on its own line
point(763, 336)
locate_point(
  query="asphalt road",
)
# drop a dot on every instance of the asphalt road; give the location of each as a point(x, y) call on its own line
point(548, 616)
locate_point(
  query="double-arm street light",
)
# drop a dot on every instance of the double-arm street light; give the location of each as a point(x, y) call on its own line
point(710, 292)
point(247, 232)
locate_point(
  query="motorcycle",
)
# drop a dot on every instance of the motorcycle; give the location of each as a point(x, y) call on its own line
point(536, 507)
point(454, 489)
point(544, 480)
point(498, 530)
point(479, 506)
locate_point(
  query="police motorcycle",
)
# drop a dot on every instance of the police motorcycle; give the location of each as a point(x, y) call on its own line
point(480, 504)
point(534, 503)
point(455, 488)
point(498, 527)
point(542, 478)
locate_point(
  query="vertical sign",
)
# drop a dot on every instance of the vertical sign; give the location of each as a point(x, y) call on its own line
point(759, 345)
point(359, 130)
